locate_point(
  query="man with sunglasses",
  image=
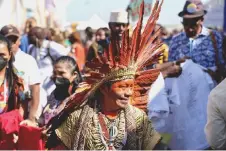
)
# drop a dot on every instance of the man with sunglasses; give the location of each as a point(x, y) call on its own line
point(202, 45)
point(118, 24)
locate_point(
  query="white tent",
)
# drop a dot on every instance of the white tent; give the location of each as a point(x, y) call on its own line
point(94, 22)
point(215, 15)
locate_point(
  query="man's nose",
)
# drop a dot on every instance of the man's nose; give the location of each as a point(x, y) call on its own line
point(121, 27)
point(129, 92)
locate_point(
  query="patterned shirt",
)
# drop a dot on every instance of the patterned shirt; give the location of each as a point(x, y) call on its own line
point(3, 100)
point(200, 50)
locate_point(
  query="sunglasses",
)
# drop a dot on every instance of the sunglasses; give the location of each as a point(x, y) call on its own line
point(120, 24)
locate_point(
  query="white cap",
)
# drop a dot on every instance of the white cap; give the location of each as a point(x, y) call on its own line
point(120, 16)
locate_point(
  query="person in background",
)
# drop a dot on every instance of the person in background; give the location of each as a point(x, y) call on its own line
point(164, 57)
point(118, 23)
point(202, 45)
point(107, 32)
point(45, 53)
point(30, 23)
point(66, 76)
point(29, 72)
point(98, 47)
point(90, 38)
point(77, 50)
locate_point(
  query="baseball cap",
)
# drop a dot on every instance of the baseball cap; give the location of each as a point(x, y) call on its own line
point(10, 30)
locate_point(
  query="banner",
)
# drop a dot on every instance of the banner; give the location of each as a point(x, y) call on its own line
point(134, 8)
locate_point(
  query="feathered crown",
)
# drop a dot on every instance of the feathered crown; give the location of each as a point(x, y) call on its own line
point(128, 61)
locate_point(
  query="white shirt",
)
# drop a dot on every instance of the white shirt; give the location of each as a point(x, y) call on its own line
point(45, 64)
point(26, 68)
point(178, 107)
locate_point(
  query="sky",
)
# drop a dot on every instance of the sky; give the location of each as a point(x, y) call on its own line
point(81, 10)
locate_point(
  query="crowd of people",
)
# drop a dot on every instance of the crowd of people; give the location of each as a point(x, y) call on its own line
point(115, 89)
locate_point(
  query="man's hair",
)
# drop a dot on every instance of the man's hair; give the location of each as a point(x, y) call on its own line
point(38, 32)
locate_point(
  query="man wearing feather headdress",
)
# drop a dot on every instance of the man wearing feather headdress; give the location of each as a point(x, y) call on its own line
point(98, 116)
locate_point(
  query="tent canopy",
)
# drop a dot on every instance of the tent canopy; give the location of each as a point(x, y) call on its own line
point(94, 22)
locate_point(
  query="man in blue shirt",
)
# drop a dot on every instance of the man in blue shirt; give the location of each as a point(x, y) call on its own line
point(202, 45)
point(31, 22)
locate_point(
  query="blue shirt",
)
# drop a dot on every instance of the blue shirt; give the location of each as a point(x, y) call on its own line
point(24, 43)
point(200, 49)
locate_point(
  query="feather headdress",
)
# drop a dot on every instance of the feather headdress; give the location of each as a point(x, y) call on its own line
point(127, 62)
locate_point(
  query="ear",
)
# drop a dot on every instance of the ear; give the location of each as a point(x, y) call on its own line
point(74, 75)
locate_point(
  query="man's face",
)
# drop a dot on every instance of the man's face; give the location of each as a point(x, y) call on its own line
point(120, 93)
point(192, 26)
point(118, 28)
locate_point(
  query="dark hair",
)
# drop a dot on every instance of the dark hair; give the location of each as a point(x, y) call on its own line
point(74, 37)
point(11, 77)
point(107, 32)
point(38, 32)
point(12, 39)
point(71, 64)
point(89, 32)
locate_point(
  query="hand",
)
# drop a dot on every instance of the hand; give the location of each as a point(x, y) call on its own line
point(15, 138)
point(29, 122)
point(172, 71)
point(178, 62)
point(45, 134)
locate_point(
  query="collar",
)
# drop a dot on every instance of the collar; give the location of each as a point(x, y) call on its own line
point(204, 32)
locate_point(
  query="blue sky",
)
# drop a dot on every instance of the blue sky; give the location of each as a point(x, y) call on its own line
point(80, 10)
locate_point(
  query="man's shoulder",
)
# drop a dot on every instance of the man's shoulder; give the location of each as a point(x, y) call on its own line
point(25, 57)
point(178, 36)
point(218, 93)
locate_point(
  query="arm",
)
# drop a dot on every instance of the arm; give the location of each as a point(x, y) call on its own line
point(34, 102)
point(215, 129)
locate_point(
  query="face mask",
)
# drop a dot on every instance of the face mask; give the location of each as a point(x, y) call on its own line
point(62, 86)
point(103, 43)
point(3, 62)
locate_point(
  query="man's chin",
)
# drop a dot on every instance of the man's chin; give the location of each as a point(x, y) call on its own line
point(122, 103)
point(190, 35)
